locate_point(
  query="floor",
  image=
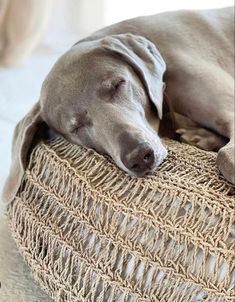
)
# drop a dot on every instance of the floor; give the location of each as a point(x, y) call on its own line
point(19, 90)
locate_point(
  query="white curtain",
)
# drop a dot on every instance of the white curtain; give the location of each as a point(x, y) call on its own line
point(124, 9)
point(22, 23)
point(72, 20)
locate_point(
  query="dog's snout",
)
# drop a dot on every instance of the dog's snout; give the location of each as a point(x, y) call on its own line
point(140, 159)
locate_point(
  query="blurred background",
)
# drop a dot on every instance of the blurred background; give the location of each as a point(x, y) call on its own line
point(72, 20)
point(33, 34)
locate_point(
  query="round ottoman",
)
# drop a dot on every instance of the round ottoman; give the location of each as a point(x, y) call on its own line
point(90, 232)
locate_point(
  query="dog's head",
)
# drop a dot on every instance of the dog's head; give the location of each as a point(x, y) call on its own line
point(107, 95)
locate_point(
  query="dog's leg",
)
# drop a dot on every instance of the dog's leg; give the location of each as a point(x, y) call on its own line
point(210, 141)
point(202, 138)
point(193, 134)
point(226, 160)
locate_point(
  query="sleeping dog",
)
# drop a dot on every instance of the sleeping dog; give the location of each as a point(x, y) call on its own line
point(107, 91)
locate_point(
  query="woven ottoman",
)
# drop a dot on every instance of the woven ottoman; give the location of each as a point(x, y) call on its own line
point(90, 232)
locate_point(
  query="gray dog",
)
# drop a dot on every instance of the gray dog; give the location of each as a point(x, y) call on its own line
point(107, 91)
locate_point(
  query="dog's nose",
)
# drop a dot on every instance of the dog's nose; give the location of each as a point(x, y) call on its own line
point(140, 159)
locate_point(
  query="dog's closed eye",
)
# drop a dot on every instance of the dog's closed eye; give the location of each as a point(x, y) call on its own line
point(78, 122)
point(118, 84)
point(75, 126)
point(110, 88)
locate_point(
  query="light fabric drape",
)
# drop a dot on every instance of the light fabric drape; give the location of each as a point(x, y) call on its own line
point(22, 23)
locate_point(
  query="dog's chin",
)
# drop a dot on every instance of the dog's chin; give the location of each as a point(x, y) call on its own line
point(141, 174)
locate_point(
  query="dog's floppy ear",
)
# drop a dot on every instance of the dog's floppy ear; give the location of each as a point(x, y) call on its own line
point(22, 139)
point(144, 57)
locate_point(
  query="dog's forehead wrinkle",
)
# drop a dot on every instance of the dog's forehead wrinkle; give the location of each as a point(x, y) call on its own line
point(72, 76)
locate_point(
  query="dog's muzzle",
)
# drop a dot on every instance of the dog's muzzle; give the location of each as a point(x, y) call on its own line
point(140, 159)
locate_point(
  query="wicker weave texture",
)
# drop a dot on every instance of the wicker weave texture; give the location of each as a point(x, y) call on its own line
point(90, 232)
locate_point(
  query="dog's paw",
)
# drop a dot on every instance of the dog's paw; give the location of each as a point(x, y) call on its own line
point(201, 138)
point(226, 163)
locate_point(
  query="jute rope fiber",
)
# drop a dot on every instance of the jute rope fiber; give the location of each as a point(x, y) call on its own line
point(90, 232)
